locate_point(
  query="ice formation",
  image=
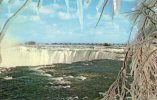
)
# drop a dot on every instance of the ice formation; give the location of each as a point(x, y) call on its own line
point(80, 12)
point(67, 5)
point(116, 4)
point(98, 7)
point(39, 3)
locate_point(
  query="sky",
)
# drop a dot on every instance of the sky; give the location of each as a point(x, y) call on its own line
point(51, 23)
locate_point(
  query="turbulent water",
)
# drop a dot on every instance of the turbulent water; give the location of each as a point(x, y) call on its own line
point(77, 81)
point(47, 55)
point(49, 72)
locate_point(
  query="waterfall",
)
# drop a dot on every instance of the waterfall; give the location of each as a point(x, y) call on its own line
point(33, 56)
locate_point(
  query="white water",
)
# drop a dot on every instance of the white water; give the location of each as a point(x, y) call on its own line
point(33, 56)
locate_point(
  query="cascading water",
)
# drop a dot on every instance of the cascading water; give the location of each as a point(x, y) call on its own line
point(33, 56)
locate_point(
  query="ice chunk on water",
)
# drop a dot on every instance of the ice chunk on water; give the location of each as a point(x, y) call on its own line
point(8, 78)
point(57, 78)
point(81, 77)
point(48, 75)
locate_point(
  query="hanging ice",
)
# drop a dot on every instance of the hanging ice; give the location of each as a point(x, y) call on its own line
point(116, 4)
point(80, 12)
point(38, 7)
point(100, 3)
point(39, 3)
point(67, 5)
point(87, 3)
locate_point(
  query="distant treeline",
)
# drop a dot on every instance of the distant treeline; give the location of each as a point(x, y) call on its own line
point(101, 44)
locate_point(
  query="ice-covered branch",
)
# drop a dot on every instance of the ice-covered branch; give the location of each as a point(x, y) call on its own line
point(11, 19)
point(100, 4)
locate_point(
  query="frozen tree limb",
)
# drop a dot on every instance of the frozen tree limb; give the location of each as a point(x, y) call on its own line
point(142, 82)
point(10, 20)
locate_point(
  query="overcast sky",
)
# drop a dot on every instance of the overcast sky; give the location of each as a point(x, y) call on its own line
point(53, 24)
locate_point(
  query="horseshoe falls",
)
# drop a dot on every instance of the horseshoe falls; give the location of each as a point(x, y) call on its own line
point(35, 55)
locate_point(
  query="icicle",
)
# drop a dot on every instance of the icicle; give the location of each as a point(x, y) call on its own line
point(67, 5)
point(39, 3)
point(39, 6)
point(80, 12)
point(116, 4)
point(87, 3)
point(100, 3)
